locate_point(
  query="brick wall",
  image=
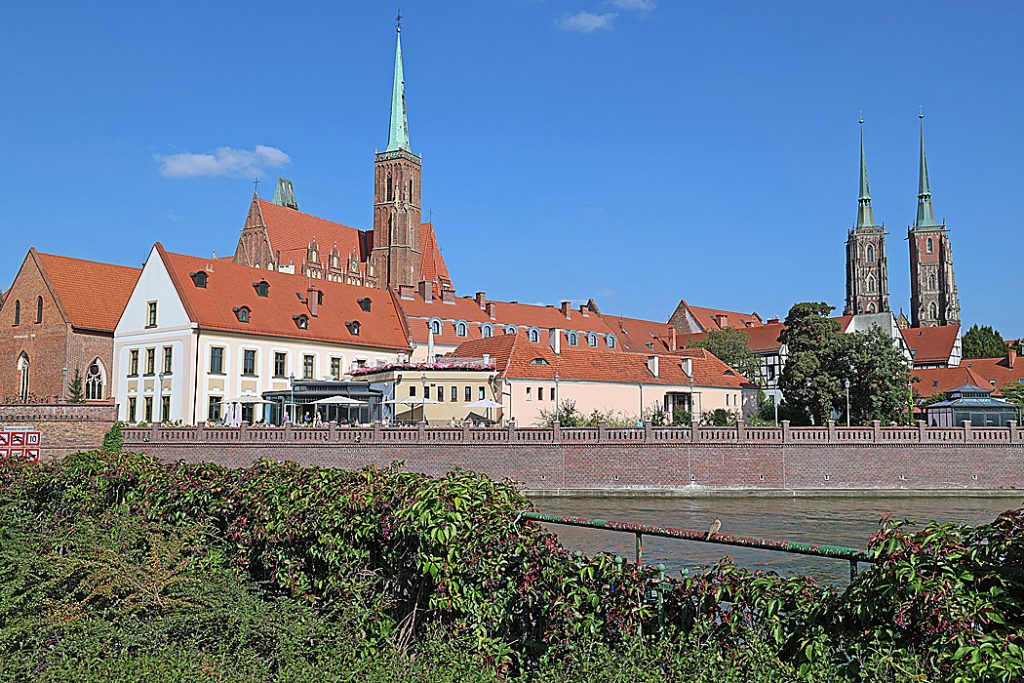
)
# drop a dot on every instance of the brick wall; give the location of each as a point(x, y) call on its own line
point(813, 458)
point(64, 429)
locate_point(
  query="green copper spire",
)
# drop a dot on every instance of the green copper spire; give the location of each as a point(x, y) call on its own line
point(284, 194)
point(865, 217)
point(399, 137)
point(925, 215)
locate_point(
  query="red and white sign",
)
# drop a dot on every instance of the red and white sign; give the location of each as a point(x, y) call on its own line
point(20, 442)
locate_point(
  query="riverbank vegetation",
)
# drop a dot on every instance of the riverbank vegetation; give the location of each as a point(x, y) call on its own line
point(114, 567)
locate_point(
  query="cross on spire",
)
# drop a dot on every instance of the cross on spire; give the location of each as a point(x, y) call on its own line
point(256, 185)
point(398, 22)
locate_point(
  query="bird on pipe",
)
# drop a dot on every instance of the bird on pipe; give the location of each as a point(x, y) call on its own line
point(713, 528)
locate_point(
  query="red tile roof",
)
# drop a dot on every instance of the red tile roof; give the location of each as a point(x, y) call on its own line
point(516, 358)
point(931, 345)
point(637, 334)
point(432, 265)
point(990, 373)
point(93, 295)
point(230, 286)
point(707, 318)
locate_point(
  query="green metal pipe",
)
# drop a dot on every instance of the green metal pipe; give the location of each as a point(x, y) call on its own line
point(839, 552)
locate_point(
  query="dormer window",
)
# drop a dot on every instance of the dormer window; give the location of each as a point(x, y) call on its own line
point(610, 340)
point(199, 278)
point(301, 321)
point(486, 331)
point(510, 329)
point(435, 326)
point(364, 304)
point(461, 329)
point(729, 373)
point(573, 339)
point(533, 335)
point(353, 327)
point(262, 288)
point(242, 313)
point(539, 361)
point(592, 340)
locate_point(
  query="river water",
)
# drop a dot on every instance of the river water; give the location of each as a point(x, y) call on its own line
point(845, 520)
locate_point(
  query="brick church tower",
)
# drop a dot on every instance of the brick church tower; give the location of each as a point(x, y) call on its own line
point(395, 258)
point(867, 272)
point(933, 296)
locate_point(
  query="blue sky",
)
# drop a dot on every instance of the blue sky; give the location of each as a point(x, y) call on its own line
point(635, 151)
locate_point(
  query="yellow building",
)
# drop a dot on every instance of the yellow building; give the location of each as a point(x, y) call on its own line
point(438, 393)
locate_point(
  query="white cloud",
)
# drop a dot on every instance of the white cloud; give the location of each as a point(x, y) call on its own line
point(587, 22)
point(223, 161)
point(633, 5)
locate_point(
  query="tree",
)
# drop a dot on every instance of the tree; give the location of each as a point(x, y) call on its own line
point(1014, 393)
point(75, 393)
point(810, 336)
point(821, 360)
point(983, 342)
point(731, 345)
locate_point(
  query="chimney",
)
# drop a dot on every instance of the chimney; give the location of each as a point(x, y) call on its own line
point(672, 338)
point(406, 291)
point(566, 307)
point(583, 311)
point(487, 359)
point(447, 296)
point(313, 300)
point(492, 310)
point(773, 321)
point(426, 290)
point(481, 300)
point(555, 339)
point(723, 320)
point(687, 367)
point(652, 365)
point(1011, 357)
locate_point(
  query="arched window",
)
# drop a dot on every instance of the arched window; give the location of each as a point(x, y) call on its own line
point(871, 307)
point(933, 311)
point(510, 329)
point(610, 341)
point(930, 246)
point(534, 335)
point(486, 331)
point(592, 340)
point(461, 329)
point(410, 189)
point(871, 284)
point(94, 381)
point(572, 338)
point(389, 194)
point(932, 281)
point(871, 254)
point(17, 312)
point(435, 326)
point(39, 309)
point(23, 377)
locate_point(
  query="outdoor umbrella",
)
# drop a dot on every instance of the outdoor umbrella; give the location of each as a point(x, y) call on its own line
point(413, 401)
point(341, 401)
point(484, 403)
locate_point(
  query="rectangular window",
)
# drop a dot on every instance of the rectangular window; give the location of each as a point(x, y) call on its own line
point(133, 363)
point(150, 361)
point(440, 393)
point(412, 389)
point(216, 360)
point(213, 411)
point(360, 363)
point(151, 315)
point(529, 393)
point(249, 362)
point(335, 369)
point(147, 413)
point(132, 404)
point(469, 394)
point(165, 408)
point(455, 393)
point(307, 366)
point(483, 394)
point(168, 360)
point(280, 364)
point(540, 393)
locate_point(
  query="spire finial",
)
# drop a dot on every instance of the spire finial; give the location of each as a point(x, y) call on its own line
point(256, 185)
point(399, 135)
point(865, 216)
point(925, 212)
point(398, 22)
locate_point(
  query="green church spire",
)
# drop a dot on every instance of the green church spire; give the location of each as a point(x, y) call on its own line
point(865, 217)
point(399, 136)
point(925, 214)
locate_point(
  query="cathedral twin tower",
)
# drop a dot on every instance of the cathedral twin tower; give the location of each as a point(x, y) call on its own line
point(933, 299)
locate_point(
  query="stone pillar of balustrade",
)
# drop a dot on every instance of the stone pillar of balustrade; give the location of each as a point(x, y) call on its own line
point(602, 431)
point(556, 431)
point(1015, 435)
point(465, 430)
point(243, 431)
point(922, 431)
point(332, 429)
point(200, 430)
point(376, 431)
point(968, 431)
point(741, 430)
point(648, 431)
point(832, 438)
point(288, 431)
point(785, 431)
point(154, 431)
point(511, 430)
point(694, 431)
point(421, 431)
point(876, 431)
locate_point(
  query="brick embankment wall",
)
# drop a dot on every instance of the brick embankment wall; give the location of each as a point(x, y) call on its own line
point(63, 429)
point(678, 460)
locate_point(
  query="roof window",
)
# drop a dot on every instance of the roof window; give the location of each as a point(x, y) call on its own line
point(539, 361)
point(353, 327)
point(262, 288)
point(301, 321)
point(199, 278)
point(242, 313)
point(365, 303)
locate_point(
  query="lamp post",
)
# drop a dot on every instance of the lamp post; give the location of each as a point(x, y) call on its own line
point(63, 382)
point(423, 399)
point(557, 403)
point(846, 383)
point(291, 390)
